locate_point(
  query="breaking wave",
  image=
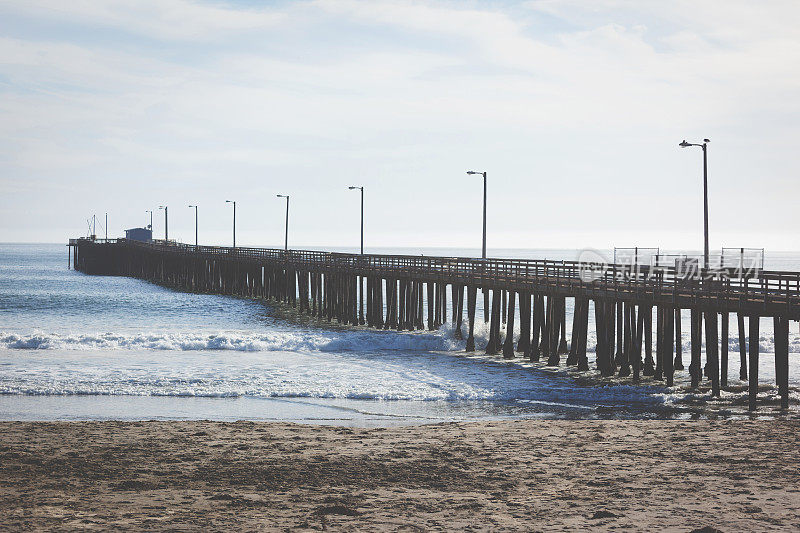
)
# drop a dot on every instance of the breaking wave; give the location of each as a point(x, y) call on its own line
point(346, 341)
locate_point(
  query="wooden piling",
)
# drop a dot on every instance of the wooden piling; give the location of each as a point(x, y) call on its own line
point(752, 389)
point(624, 363)
point(696, 332)
point(554, 328)
point(678, 341)
point(659, 372)
point(583, 334)
point(524, 344)
point(562, 318)
point(781, 342)
point(637, 350)
point(712, 353)
point(572, 357)
point(649, 364)
point(742, 348)
point(431, 305)
point(536, 327)
point(723, 344)
point(472, 296)
point(508, 345)
point(669, 337)
point(493, 346)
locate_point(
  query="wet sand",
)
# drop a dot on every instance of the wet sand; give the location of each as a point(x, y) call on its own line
point(505, 475)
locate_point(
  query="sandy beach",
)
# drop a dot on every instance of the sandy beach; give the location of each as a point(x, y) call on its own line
point(504, 475)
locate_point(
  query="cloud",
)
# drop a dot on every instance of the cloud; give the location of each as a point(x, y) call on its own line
point(158, 19)
point(174, 94)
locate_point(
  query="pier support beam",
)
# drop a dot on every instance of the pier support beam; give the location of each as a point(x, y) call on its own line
point(669, 337)
point(429, 286)
point(712, 351)
point(458, 309)
point(752, 389)
point(537, 319)
point(493, 346)
point(524, 344)
point(583, 333)
point(553, 329)
point(637, 346)
point(660, 328)
point(649, 364)
point(472, 295)
point(696, 334)
point(781, 342)
point(562, 318)
point(742, 348)
point(678, 341)
point(624, 362)
point(508, 346)
point(723, 344)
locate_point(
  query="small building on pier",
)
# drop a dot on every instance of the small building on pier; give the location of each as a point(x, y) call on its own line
point(139, 234)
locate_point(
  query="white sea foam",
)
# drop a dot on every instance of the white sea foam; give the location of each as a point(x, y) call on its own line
point(292, 341)
point(359, 339)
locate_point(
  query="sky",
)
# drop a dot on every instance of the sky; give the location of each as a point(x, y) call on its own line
point(574, 109)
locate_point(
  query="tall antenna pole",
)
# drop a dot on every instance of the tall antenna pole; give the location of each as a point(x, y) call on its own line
point(106, 226)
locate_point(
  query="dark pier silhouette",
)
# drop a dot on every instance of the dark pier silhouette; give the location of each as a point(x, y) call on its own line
point(410, 293)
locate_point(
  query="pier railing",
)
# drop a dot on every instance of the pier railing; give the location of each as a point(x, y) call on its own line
point(765, 292)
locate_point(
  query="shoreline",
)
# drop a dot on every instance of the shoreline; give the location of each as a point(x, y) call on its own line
point(498, 475)
point(367, 413)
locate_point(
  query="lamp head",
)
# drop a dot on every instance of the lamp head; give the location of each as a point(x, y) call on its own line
point(706, 140)
point(228, 201)
point(472, 172)
point(161, 207)
point(684, 144)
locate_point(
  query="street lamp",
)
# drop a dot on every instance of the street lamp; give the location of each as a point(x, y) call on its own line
point(362, 215)
point(234, 219)
point(484, 210)
point(195, 224)
point(704, 146)
point(166, 221)
point(286, 238)
point(151, 219)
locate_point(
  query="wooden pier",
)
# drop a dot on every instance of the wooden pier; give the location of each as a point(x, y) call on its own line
point(410, 292)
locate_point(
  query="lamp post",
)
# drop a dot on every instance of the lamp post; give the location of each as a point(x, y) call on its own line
point(195, 225)
point(362, 215)
point(286, 237)
point(234, 219)
point(151, 219)
point(360, 278)
point(483, 252)
point(483, 248)
point(166, 221)
point(704, 146)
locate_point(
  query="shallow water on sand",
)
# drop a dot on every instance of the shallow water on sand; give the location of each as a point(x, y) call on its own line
point(83, 347)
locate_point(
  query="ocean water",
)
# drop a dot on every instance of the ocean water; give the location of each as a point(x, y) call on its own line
point(88, 347)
